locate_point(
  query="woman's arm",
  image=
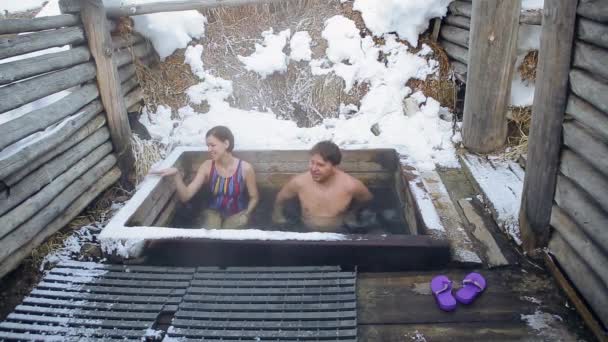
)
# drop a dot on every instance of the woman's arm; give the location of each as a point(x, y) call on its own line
point(252, 188)
point(185, 192)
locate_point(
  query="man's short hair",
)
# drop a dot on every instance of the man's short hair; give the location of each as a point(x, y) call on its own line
point(328, 151)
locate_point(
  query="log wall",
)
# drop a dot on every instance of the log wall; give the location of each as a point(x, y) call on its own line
point(579, 219)
point(56, 152)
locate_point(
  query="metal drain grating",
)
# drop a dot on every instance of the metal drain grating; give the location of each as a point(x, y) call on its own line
point(268, 304)
point(79, 301)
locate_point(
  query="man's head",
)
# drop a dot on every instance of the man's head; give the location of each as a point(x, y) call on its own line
point(325, 156)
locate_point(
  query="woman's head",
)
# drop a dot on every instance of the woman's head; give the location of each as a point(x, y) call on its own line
point(219, 141)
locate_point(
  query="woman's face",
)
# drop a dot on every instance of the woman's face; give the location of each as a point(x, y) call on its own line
point(216, 147)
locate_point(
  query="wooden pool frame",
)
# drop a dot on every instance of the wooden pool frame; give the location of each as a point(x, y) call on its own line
point(139, 224)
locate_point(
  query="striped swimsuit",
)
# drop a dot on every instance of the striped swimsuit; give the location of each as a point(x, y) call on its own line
point(228, 194)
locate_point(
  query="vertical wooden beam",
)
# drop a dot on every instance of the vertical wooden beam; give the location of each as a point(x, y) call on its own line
point(93, 16)
point(492, 45)
point(544, 141)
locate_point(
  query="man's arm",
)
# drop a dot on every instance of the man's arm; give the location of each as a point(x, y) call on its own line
point(289, 190)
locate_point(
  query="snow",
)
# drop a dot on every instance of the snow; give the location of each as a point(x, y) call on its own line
point(408, 18)
point(527, 5)
point(528, 39)
point(300, 46)
point(541, 320)
point(169, 31)
point(268, 57)
point(12, 6)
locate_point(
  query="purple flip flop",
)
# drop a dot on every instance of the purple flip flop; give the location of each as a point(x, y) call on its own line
point(473, 285)
point(442, 289)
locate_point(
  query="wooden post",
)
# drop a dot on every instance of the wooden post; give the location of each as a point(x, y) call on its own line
point(493, 40)
point(95, 23)
point(544, 143)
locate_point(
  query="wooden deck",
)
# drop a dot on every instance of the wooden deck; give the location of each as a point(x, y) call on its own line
point(400, 307)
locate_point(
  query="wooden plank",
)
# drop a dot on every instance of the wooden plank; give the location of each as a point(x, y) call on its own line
point(119, 42)
point(575, 298)
point(18, 94)
point(69, 321)
point(274, 283)
point(455, 35)
point(59, 222)
point(262, 316)
point(592, 118)
point(125, 56)
point(125, 268)
point(581, 275)
point(589, 88)
point(8, 26)
point(135, 96)
point(112, 298)
point(460, 69)
point(28, 67)
point(281, 275)
point(167, 213)
point(92, 288)
point(116, 282)
point(580, 242)
point(85, 306)
point(546, 127)
point(248, 298)
point(274, 269)
point(456, 52)
point(594, 9)
point(100, 42)
point(461, 8)
point(466, 331)
point(458, 21)
point(123, 275)
point(128, 86)
point(32, 205)
point(282, 335)
point(531, 17)
point(590, 58)
point(592, 32)
point(586, 145)
point(39, 119)
point(69, 332)
point(283, 325)
point(29, 336)
point(585, 176)
point(46, 174)
point(24, 43)
point(282, 307)
point(582, 210)
point(28, 230)
point(90, 127)
point(270, 291)
point(494, 27)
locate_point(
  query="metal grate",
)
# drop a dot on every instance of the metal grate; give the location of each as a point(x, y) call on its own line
point(88, 301)
point(268, 304)
point(79, 301)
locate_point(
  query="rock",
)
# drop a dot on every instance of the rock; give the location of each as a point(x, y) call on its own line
point(91, 251)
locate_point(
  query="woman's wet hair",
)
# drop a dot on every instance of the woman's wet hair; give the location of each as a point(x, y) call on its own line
point(222, 133)
point(328, 151)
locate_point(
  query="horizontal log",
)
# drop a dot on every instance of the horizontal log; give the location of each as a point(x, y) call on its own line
point(55, 208)
point(581, 275)
point(11, 161)
point(119, 42)
point(592, 32)
point(461, 8)
point(39, 119)
point(586, 145)
point(591, 58)
point(134, 97)
point(125, 55)
point(583, 210)
point(590, 89)
point(28, 208)
point(595, 9)
point(586, 177)
point(456, 52)
point(531, 17)
point(585, 113)
point(459, 68)
point(8, 26)
point(17, 94)
point(50, 171)
point(24, 43)
point(458, 21)
point(580, 242)
point(61, 221)
point(129, 85)
point(455, 35)
point(28, 67)
point(88, 129)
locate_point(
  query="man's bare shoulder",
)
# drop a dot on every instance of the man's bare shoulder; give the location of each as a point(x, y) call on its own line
point(301, 179)
point(351, 183)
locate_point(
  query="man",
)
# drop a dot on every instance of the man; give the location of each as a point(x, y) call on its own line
point(328, 196)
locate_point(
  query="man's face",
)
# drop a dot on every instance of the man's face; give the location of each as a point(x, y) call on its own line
point(320, 169)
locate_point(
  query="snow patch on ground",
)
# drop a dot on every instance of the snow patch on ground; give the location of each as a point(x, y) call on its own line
point(13, 6)
point(169, 31)
point(408, 18)
point(268, 57)
point(541, 320)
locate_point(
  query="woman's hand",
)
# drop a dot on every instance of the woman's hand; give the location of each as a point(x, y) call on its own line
point(172, 171)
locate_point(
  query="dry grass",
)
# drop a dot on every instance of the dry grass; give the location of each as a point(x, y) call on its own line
point(146, 153)
point(527, 69)
point(519, 130)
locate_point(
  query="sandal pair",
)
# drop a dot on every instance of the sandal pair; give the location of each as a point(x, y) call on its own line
point(472, 285)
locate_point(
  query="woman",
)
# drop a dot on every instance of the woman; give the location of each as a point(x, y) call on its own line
point(234, 193)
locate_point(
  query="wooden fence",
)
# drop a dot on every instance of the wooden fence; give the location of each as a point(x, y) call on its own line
point(54, 160)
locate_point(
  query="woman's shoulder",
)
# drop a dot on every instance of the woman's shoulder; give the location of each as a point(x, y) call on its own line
point(246, 166)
